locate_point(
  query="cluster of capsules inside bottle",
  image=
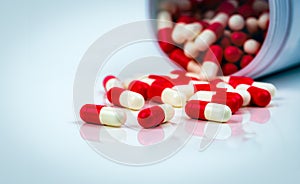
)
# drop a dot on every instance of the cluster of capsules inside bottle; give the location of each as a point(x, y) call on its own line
point(155, 98)
point(209, 37)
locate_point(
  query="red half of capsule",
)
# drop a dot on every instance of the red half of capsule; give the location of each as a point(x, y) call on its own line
point(238, 38)
point(180, 58)
point(151, 117)
point(246, 59)
point(236, 80)
point(231, 100)
point(259, 97)
point(156, 89)
point(227, 8)
point(90, 113)
point(229, 68)
point(214, 54)
point(195, 109)
point(165, 39)
point(139, 87)
point(113, 95)
point(202, 87)
point(246, 11)
point(232, 54)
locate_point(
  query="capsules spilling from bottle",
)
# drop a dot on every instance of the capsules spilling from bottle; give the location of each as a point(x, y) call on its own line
point(214, 36)
point(214, 100)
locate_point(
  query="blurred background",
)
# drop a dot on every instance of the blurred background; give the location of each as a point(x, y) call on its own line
point(42, 43)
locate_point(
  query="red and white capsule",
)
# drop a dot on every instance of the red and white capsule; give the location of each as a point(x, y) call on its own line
point(233, 100)
point(102, 115)
point(186, 63)
point(162, 92)
point(179, 31)
point(209, 36)
point(220, 84)
point(111, 81)
point(140, 86)
point(259, 97)
point(125, 98)
point(234, 81)
point(202, 110)
point(154, 116)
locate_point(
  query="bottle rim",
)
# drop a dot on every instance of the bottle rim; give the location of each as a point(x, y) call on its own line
point(274, 42)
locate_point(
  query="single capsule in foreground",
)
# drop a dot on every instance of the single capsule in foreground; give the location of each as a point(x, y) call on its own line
point(197, 109)
point(102, 115)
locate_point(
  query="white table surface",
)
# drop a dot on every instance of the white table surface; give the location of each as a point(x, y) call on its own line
point(42, 44)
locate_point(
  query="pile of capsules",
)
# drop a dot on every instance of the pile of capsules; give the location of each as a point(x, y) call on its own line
point(214, 100)
point(212, 35)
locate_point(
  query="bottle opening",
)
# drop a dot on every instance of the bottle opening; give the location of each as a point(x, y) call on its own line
point(222, 37)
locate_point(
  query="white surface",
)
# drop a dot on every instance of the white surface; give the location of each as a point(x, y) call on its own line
point(41, 46)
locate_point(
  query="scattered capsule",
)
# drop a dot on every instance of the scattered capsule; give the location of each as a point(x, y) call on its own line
point(209, 36)
point(233, 100)
point(102, 115)
point(125, 98)
point(259, 97)
point(155, 115)
point(202, 110)
point(162, 92)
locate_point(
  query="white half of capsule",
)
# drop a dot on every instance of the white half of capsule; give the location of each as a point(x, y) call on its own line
point(112, 116)
point(173, 97)
point(192, 30)
point(164, 20)
point(131, 100)
point(193, 67)
point(217, 112)
point(252, 25)
point(178, 33)
point(168, 111)
point(236, 22)
point(224, 85)
point(209, 70)
point(188, 90)
point(205, 39)
point(263, 21)
point(251, 46)
point(113, 82)
point(203, 96)
point(221, 18)
point(190, 49)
